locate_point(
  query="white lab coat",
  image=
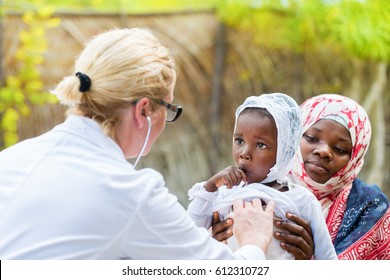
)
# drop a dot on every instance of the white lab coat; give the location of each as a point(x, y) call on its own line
point(71, 194)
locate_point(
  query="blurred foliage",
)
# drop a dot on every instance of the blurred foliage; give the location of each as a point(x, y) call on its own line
point(25, 87)
point(358, 27)
point(122, 6)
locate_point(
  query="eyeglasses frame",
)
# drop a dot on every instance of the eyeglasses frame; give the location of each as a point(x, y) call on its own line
point(172, 107)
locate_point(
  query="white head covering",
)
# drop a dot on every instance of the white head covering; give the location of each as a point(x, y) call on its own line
point(287, 116)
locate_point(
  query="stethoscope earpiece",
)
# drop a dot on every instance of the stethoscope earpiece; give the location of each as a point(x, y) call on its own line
point(146, 140)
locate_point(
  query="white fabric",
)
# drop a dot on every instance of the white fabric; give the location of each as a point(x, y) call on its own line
point(71, 194)
point(338, 119)
point(287, 116)
point(297, 200)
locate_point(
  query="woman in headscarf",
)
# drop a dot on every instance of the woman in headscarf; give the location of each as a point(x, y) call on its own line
point(336, 136)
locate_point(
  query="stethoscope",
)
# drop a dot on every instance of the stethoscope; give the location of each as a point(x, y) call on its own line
point(145, 142)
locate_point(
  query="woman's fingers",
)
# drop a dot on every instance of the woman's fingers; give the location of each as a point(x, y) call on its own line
point(221, 231)
point(215, 219)
point(299, 239)
point(300, 221)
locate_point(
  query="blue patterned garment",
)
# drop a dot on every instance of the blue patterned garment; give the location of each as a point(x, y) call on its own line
point(366, 205)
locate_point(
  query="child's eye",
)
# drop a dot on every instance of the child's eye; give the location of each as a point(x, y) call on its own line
point(261, 145)
point(238, 141)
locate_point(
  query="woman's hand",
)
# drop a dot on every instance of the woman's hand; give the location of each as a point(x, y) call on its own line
point(221, 231)
point(300, 241)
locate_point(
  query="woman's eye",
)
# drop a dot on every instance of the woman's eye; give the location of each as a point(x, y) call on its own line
point(310, 138)
point(340, 150)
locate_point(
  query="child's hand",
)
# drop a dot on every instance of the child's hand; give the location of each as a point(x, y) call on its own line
point(230, 176)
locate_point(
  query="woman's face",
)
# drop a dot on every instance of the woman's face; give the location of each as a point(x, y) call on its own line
point(255, 145)
point(326, 148)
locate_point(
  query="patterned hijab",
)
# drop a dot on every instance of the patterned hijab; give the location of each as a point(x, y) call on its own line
point(348, 113)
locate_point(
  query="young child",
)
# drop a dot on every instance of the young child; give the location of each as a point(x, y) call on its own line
point(266, 135)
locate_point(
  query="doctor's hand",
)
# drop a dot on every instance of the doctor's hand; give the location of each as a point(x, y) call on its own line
point(253, 225)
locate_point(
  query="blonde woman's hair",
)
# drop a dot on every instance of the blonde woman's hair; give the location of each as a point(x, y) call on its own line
point(122, 65)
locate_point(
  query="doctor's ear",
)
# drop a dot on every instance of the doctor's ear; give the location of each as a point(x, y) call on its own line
point(146, 116)
point(142, 111)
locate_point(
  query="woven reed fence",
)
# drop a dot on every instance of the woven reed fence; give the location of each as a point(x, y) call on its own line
point(217, 69)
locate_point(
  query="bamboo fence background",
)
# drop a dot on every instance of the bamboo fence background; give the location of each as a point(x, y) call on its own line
point(218, 68)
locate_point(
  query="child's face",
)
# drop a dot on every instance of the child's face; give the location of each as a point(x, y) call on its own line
point(255, 145)
point(326, 148)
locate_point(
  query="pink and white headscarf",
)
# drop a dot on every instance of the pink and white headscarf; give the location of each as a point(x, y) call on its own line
point(348, 113)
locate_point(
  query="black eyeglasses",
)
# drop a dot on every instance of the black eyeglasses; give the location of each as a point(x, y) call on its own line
point(173, 110)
